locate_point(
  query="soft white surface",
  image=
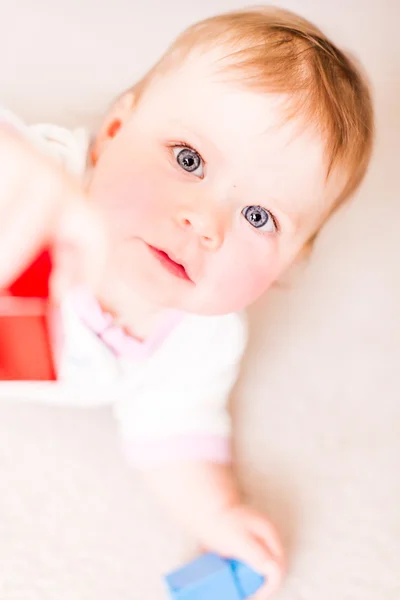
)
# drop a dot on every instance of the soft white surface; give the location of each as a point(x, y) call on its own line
point(318, 406)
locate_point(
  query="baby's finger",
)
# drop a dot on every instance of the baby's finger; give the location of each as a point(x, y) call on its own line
point(273, 579)
point(255, 554)
point(262, 562)
point(265, 531)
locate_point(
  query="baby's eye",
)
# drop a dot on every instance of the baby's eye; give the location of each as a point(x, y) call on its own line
point(189, 160)
point(260, 217)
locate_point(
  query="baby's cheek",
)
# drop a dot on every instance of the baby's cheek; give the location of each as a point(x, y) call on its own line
point(136, 196)
point(246, 275)
point(244, 287)
point(130, 197)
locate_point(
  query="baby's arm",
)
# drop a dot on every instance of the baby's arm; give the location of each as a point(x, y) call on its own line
point(40, 201)
point(203, 497)
point(177, 431)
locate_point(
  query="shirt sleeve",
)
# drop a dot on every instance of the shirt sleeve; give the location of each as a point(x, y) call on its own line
point(181, 411)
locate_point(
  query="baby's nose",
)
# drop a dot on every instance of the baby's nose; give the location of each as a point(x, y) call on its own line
point(208, 227)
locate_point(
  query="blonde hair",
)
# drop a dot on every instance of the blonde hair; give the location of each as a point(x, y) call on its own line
point(275, 50)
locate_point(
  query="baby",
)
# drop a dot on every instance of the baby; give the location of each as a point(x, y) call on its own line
point(203, 184)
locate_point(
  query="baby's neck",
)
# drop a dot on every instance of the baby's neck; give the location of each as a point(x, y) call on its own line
point(140, 319)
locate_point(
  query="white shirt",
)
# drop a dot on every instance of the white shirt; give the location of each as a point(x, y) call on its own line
point(170, 394)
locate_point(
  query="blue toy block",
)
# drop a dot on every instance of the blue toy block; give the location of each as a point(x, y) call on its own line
point(206, 578)
point(211, 577)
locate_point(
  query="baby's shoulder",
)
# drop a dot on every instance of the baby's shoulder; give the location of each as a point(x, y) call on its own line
point(210, 337)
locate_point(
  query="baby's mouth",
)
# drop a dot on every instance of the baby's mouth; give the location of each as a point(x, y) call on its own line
point(169, 263)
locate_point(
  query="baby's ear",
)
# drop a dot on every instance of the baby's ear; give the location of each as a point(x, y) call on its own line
point(114, 120)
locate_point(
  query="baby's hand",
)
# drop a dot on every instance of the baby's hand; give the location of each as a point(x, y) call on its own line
point(247, 535)
point(204, 498)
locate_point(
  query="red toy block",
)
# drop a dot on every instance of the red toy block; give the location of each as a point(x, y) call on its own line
point(25, 349)
point(34, 281)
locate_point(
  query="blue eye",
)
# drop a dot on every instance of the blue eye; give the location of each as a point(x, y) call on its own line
point(259, 218)
point(189, 160)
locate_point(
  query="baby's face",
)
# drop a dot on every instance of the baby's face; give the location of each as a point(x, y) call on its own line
point(209, 196)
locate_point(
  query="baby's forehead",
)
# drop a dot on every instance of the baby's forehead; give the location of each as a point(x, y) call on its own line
point(240, 130)
point(230, 114)
point(198, 91)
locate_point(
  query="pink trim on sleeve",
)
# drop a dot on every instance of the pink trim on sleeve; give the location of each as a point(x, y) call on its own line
point(211, 448)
